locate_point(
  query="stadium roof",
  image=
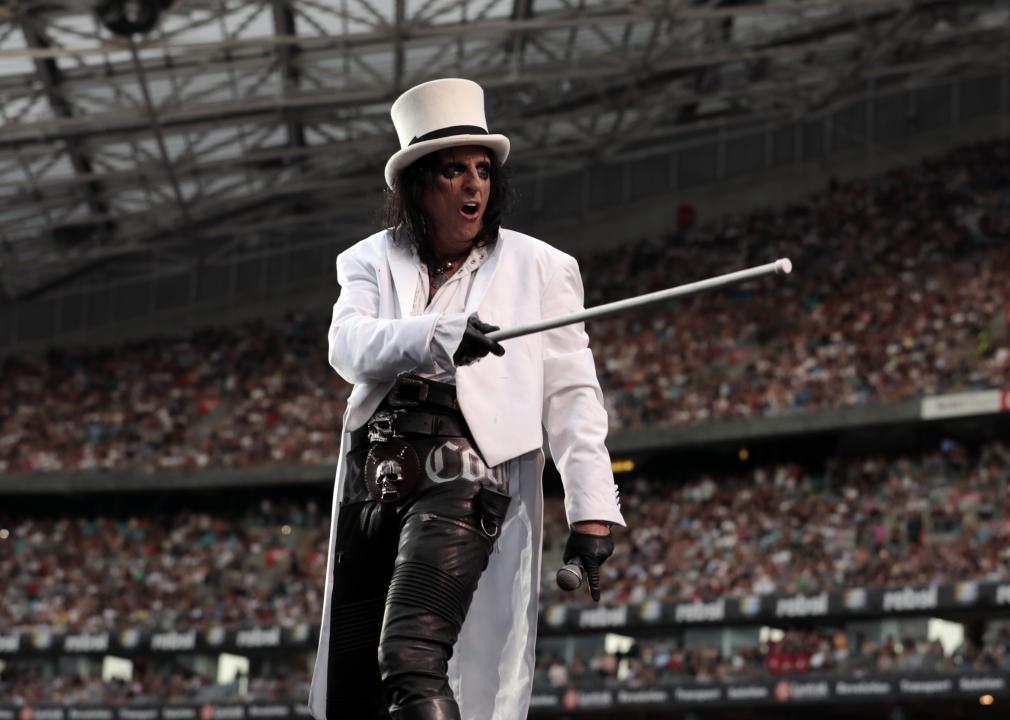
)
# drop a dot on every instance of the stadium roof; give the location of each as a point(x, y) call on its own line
point(238, 124)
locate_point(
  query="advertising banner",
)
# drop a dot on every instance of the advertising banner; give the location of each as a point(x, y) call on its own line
point(206, 711)
point(808, 690)
point(777, 610)
point(979, 402)
point(795, 690)
point(132, 641)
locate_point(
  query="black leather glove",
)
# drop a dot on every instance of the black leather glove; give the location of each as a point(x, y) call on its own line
point(591, 551)
point(475, 343)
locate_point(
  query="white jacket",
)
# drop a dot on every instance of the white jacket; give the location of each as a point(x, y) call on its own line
point(544, 381)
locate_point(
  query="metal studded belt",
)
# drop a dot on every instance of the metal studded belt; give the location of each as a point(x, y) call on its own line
point(386, 424)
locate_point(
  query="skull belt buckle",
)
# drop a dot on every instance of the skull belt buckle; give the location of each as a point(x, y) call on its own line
point(392, 470)
point(381, 427)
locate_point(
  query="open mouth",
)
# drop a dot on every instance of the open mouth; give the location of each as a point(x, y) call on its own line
point(470, 210)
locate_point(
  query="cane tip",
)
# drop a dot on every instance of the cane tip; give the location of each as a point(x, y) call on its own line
point(783, 266)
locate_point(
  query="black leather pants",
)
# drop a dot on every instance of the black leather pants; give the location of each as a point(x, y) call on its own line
point(404, 576)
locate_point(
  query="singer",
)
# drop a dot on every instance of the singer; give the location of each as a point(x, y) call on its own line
point(430, 610)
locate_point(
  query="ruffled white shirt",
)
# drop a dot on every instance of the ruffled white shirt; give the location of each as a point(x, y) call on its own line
point(449, 301)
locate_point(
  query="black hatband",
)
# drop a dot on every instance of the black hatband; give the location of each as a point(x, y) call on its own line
point(450, 131)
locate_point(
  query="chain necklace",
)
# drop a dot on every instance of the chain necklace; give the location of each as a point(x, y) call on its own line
point(439, 275)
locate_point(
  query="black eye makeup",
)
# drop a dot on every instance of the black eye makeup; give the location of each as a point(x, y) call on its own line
point(452, 170)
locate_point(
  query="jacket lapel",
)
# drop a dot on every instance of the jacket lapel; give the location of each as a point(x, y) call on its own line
point(485, 274)
point(403, 266)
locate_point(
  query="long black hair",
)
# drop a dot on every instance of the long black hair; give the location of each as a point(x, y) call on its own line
point(402, 209)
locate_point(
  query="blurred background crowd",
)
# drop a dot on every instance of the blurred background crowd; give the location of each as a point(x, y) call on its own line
point(651, 662)
point(899, 291)
point(262, 564)
point(154, 685)
point(940, 516)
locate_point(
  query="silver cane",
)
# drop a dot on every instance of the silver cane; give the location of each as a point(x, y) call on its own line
point(569, 577)
point(782, 266)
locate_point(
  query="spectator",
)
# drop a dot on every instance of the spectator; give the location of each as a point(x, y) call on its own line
point(899, 292)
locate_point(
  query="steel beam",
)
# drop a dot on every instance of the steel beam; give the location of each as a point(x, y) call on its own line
point(287, 56)
point(644, 68)
point(49, 72)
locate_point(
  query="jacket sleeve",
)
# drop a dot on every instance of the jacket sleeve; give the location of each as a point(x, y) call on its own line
point(573, 413)
point(366, 348)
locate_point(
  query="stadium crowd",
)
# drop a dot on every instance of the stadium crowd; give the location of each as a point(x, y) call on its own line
point(257, 565)
point(239, 397)
point(163, 684)
point(941, 516)
point(900, 291)
point(652, 662)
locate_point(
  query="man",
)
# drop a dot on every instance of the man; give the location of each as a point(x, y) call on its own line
point(439, 480)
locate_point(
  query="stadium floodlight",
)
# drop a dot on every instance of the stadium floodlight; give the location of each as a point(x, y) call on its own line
point(782, 266)
point(129, 17)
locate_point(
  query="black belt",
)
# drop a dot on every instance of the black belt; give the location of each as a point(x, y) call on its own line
point(413, 422)
point(411, 391)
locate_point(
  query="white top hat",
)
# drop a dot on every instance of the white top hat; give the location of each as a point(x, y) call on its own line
point(440, 114)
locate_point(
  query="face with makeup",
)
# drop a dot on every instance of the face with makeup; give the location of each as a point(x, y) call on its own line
point(455, 201)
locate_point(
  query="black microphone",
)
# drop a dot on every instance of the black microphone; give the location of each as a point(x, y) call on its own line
point(570, 576)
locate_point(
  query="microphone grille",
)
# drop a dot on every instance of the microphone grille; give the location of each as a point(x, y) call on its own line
point(569, 578)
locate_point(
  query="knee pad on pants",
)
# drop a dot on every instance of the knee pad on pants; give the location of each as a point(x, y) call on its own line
point(442, 553)
point(425, 608)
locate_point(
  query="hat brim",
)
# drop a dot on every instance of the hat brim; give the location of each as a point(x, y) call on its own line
point(499, 144)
